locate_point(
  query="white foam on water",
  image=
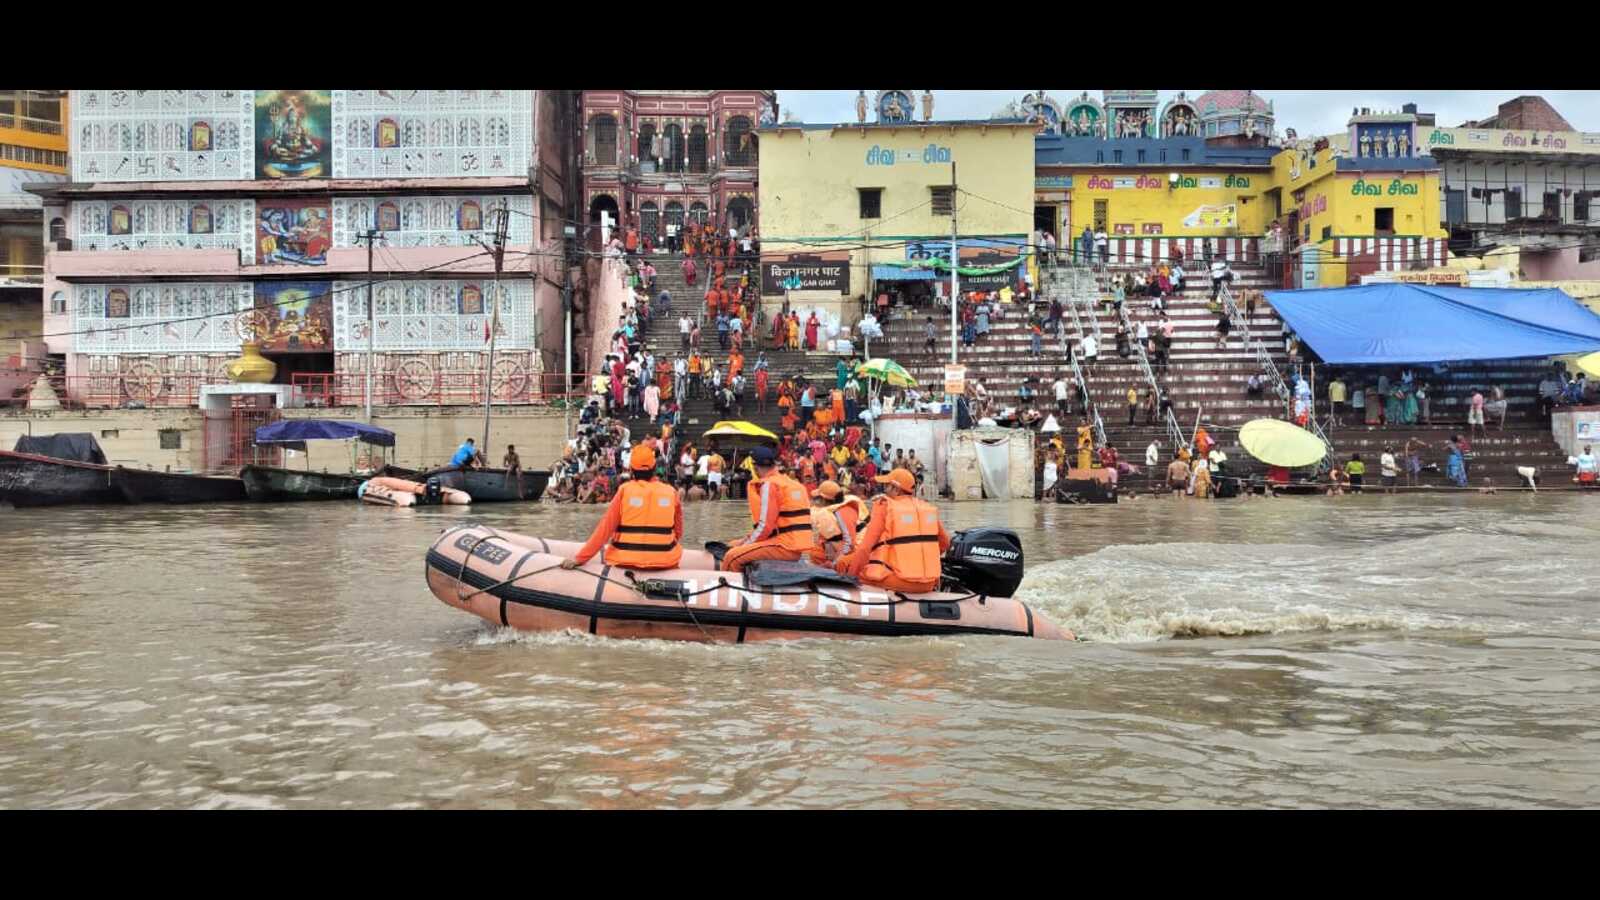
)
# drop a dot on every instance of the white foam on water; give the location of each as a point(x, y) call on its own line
point(1133, 593)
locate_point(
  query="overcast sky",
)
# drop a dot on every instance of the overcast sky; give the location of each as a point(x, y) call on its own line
point(1308, 112)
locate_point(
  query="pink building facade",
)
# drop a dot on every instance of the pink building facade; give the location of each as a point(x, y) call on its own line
point(658, 158)
point(199, 218)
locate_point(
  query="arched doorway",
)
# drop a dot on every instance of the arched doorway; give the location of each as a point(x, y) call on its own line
point(673, 214)
point(674, 148)
point(603, 203)
point(741, 213)
point(649, 221)
point(740, 142)
point(697, 213)
point(603, 140)
point(697, 148)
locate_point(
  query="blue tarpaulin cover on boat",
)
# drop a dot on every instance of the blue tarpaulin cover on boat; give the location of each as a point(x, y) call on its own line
point(298, 431)
point(1414, 323)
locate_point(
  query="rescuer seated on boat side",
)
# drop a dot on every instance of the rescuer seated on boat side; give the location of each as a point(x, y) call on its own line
point(904, 540)
point(643, 526)
point(836, 516)
point(781, 515)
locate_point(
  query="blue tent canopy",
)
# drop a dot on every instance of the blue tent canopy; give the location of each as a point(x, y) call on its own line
point(298, 431)
point(1413, 323)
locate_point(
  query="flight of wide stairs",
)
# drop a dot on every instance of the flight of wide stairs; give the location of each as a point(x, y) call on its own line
point(662, 336)
point(1201, 379)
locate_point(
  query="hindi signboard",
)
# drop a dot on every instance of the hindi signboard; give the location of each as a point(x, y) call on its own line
point(815, 272)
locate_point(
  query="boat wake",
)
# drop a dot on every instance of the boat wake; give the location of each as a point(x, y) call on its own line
point(1134, 593)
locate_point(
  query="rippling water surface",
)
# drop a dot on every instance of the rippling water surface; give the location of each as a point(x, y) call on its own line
point(1372, 651)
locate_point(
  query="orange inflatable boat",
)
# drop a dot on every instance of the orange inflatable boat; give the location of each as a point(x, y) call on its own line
point(515, 580)
point(385, 491)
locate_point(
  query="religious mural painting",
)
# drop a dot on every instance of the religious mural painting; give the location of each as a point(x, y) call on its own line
point(296, 317)
point(293, 231)
point(293, 134)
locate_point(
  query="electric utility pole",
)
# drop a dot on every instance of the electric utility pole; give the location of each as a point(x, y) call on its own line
point(368, 237)
point(503, 217)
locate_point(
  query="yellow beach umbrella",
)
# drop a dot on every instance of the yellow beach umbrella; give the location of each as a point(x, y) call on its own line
point(1279, 443)
point(886, 370)
point(740, 434)
point(1590, 363)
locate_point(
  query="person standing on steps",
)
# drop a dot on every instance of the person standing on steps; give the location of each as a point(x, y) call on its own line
point(1133, 402)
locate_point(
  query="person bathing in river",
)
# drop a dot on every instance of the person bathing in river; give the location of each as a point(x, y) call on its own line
point(513, 466)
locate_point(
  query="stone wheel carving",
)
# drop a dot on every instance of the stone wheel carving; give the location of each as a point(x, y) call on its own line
point(251, 325)
point(509, 379)
point(415, 379)
point(142, 381)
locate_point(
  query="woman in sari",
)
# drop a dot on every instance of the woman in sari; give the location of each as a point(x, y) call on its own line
point(1409, 409)
point(794, 331)
point(1202, 479)
point(1374, 407)
point(652, 401)
point(811, 331)
point(689, 269)
point(1085, 446)
point(1394, 406)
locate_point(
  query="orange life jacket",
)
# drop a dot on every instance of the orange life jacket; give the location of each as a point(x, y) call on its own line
point(794, 511)
point(826, 523)
point(644, 539)
point(909, 547)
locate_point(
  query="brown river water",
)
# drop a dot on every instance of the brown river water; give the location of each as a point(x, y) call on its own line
point(1304, 652)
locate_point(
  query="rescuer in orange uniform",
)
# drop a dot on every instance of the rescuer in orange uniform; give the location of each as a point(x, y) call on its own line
point(903, 543)
point(835, 518)
point(781, 515)
point(643, 526)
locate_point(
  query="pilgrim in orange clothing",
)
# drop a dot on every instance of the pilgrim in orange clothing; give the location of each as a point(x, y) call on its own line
point(735, 364)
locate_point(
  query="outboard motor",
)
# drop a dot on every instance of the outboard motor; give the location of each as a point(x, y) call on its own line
point(984, 561)
point(432, 492)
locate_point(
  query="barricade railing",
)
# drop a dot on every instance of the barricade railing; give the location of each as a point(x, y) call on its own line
point(1241, 324)
point(131, 390)
point(422, 385)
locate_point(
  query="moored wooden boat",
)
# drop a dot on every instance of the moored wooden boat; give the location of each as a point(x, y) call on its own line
point(485, 485)
point(27, 479)
point(148, 486)
point(274, 485)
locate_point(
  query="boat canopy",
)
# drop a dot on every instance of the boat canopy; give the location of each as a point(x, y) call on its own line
point(294, 433)
point(77, 446)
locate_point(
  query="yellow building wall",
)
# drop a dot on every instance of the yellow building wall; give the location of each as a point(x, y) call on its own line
point(809, 180)
point(1146, 201)
point(24, 138)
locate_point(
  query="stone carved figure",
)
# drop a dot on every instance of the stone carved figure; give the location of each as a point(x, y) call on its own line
point(1390, 146)
point(861, 106)
point(1405, 145)
point(892, 110)
point(1364, 150)
point(927, 106)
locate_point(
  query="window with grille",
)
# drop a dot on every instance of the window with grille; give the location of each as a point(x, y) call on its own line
point(171, 439)
point(871, 201)
point(944, 199)
point(740, 143)
point(1513, 203)
point(605, 140)
point(697, 149)
point(1580, 206)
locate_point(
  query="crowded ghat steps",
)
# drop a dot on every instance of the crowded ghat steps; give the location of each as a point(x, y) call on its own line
point(1201, 378)
point(700, 413)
